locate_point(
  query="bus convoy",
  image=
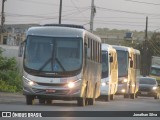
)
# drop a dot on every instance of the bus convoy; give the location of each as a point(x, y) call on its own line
point(67, 62)
point(128, 71)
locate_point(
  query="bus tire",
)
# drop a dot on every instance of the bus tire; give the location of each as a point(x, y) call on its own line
point(107, 98)
point(126, 95)
point(112, 97)
point(91, 101)
point(156, 96)
point(132, 96)
point(29, 100)
point(41, 101)
point(83, 101)
point(49, 101)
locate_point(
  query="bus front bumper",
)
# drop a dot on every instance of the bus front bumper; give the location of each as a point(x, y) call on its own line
point(104, 90)
point(122, 89)
point(53, 93)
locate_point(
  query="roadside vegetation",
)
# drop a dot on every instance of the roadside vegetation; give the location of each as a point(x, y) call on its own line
point(10, 78)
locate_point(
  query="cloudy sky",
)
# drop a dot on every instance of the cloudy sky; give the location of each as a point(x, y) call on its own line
point(112, 14)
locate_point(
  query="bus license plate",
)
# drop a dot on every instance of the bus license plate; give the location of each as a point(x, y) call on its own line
point(50, 91)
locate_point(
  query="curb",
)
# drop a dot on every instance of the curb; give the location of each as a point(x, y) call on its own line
point(7, 94)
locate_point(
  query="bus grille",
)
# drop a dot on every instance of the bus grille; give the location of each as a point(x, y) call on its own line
point(145, 89)
point(51, 84)
point(57, 92)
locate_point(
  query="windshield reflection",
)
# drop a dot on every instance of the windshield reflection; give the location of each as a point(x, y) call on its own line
point(104, 64)
point(48, 54)
point(122, 63)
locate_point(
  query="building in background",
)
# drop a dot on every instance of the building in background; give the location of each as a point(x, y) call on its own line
point(14, 34)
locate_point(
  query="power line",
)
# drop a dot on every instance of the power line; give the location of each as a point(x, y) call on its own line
point(32, 1)
point(82, 19)
point(143, 2)
point(46, 3)
point(142, 18)
point(155, 47)
point(41, 16)
point(76, 7)
point(130, 12)
point(157, 29)
point(73, 13)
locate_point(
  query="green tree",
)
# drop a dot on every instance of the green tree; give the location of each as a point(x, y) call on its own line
point(10, 79)
point(147, 51)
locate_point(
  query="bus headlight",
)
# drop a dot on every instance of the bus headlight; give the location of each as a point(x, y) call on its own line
point(125, 80)
point(123, 90)
point(71, 84)
point(103, 84)
point(154, 88)
point(29, 82)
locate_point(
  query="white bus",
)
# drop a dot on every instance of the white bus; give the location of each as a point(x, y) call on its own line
point(128, 71)
point(109, 80)
point(61, 62)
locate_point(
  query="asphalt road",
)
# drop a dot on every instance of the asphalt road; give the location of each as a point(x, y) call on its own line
point(16, 102)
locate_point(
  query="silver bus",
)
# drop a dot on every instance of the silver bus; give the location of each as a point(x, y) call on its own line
point(61, 62)
point(109, 78)
point(128, 71)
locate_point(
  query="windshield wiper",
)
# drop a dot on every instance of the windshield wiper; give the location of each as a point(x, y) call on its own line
point(46, 63)
point(60, 64)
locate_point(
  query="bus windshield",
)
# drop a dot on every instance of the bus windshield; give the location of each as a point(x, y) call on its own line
point(122, 63)
point(104, 64)
point(155, 71)
point(53, 54)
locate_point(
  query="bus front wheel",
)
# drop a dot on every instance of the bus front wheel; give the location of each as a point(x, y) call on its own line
point(112, 97)
point(91, 101)
point(29, 100)
point(126, 95)
point(81, 101)
point(133, 96)
point(42, 101)
point(107, 98)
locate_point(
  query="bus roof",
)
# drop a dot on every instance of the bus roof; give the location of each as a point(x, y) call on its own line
point(137, 51)
point(123, 48)
point(60, 31)
point(106, 47)
point(155, 66)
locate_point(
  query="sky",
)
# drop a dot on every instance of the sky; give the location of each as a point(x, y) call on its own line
point(112, 14)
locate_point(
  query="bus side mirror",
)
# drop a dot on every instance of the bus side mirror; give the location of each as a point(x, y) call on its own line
point(111, 59)
point(131, 63)
point(20, 50)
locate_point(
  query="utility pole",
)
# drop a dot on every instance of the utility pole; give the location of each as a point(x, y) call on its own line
point(145, 59)
point(93, 11)
point(2, 22)
point(2, 17)
point(60, 11)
